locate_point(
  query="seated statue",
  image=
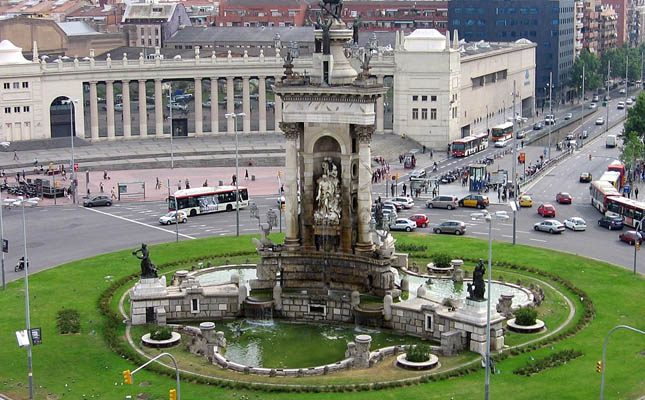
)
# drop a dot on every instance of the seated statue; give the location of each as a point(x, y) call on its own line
point(148, 269)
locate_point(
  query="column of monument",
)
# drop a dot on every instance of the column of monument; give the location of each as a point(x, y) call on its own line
point(127, 123)
point(364, 134)
point(94, 111)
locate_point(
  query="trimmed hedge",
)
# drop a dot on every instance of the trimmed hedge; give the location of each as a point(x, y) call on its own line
point(418, 353)
point(68, 320)
point(554, 360)
point(526, 316)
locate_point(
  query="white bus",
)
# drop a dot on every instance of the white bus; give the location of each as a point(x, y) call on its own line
point(207, 199)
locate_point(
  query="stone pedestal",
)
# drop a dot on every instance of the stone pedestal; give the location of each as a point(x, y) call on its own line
point(148, 299)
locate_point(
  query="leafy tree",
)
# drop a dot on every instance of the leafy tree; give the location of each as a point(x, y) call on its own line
point(633, 150)
point(591, 63)
point(636, 118)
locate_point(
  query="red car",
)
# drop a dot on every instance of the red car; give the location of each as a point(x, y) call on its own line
point(420, 219)
point(631, 237)
point(546, 210)
point(563, 198)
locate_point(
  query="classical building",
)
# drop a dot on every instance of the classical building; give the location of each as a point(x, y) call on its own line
point(548, 23)
point(151, 24)
point(120, 96)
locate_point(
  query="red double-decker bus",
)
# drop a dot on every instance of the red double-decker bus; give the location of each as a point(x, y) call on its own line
point(469, 145)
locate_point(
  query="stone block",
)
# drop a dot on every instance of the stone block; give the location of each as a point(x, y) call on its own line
point(222, 307)
point(459, 325)
point(336, 311)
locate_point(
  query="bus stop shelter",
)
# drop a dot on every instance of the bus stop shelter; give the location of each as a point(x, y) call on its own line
point(477, 177)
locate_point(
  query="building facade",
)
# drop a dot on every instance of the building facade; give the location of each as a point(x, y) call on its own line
point(636, 23)
point(122, 98)
point(608, 26)
point(150, 24)
point(549, 24)
point(578, 35)
point(255, 13)
point(621, 7)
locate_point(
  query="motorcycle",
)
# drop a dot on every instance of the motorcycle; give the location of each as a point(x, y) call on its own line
point(20, 266)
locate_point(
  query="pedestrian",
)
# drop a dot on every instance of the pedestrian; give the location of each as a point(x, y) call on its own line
point(35, 162)
point(636, 192)
point(392, 187)
point(233, 180)
point(101, 187)
point(179, 184)
point(113, 194)
point(499, 193)
point(404, 189)
point(65, 192)
point(424, 149)
point(282, 188)
point(105, 175)
point(205, 183)
point(246, 175)
point(431, 153)
point(158, 184)
point(187, 184)
point(15, 156)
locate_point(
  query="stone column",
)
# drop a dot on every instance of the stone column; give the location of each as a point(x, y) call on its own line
point(230, 102)
point(143, 110)
point(199, 123)
point(214, 105)
point(277, 107)
point(364, 135)
point(291, 132)
point(109, 102)
point(127, 123)
point(380, 109)
point(158, 109)
point(262, 103)
point(246, 105)
point(94, 111)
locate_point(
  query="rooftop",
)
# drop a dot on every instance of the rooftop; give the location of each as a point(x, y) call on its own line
point(151, 11)
point(77, 28)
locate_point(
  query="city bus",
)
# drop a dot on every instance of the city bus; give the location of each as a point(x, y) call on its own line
point(207, 199)
point(502, 132)
point(612, 177)
point(600, 192)
point(630, 210)
point(618, 167)
point(469, 145)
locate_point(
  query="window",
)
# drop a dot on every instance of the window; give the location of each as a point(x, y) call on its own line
point(7, 85)
point(415, 98)
point(25, 109)
point(16, 109)
point(429, 326)
point(143, 33)
point(433, 114)
point(456, 22)
point(25, 85)
point(16, 85)
point(433, 98)
point(424, 113)
point(415, 113)
point(424, 98)
point(194, 305)
point(7, 110)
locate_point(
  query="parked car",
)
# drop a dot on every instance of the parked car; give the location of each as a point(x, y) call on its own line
point(118, 107)
point(418, 173)
point(448, 202)
point(389, 213)
point(526, 201)
point(607, 98)
point(629, 102)
point(454, 226)
point(622, 91)
point(407, 202)
point(631, 237)
point(390, 203)
point(420, 219)
point(170, 218)
point(546, 210)
point(563, 198)
point(586, 177)
point(600, 121)
point(596, 98)
point(501, 143)
point(611, 222)
point(575, 224)
point(403, 224)
point(592, 106)
point(537, 126)
point(570, 136)
point(177, 107)
point(620, 105)
point(568, 116)
point(584, 134)
point(207, 103)
point(474, 200)
point(549, 225)
point(97, 201)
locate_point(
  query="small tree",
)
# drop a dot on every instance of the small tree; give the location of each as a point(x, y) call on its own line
point(526, 316)
point(418, 353)
point(163, 333)
point(441, 260)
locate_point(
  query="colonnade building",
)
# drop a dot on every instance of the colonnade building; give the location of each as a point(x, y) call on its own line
point(438, 91)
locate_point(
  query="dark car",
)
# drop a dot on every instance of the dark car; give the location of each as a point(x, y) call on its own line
point(611, 222)
point(631, 237)
point(537, 126)
point(586, 177)
point(97, 201)
point(456, 227)
point(563, 198)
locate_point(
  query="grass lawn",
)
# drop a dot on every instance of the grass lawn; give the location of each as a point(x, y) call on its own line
point(71, 366)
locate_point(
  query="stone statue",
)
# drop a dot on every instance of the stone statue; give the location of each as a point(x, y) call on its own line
point(148, 270)
point(476, 289)
point(355, 26)
point(328, 208)
point(324, 25)
point(378, 213)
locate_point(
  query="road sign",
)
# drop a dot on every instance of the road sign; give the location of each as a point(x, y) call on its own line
point(5, 245)
point(522, 158)
point(36, 336)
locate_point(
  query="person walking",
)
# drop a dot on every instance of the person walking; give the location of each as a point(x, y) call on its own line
point(431, 153)
point(404, 189)
point(15, 156)
point(636, 192)
point(205, 183)
point(158, 184)
point(112, 194)
point(233, 180)
point(246, 175)
point(101, 187)
point(187, 184)
point(179, 184)
point(392, 187)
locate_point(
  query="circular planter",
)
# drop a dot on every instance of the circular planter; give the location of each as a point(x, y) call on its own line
point(440, 270)
point(161, 344)
point(402, 362)
point(512, 326)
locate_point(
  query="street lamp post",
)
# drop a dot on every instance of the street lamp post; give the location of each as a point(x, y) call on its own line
point(552, 121)
point(607, 95)
point(170, 104)
point(487, 119)
point(21, 201)
point(639, 228)
point(72, 133)
point(582, 105)
point(488, 217)
point(626, 81)
point(514, 180)
point(237, 176)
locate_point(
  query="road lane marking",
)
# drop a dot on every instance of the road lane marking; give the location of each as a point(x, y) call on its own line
point(538, 240)
point(139, 223)
point(480, 233)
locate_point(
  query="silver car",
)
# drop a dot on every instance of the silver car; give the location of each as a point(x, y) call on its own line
point(407, 202)
point(449, 202)
point(403, 224)
point(549, 225)
point(456, 227)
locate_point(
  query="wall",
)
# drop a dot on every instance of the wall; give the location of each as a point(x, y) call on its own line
point(22, 32)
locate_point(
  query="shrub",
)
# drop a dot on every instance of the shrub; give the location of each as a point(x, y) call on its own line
point(441, 260)
point(525, 316)
point(554, 360)
point(163, 333)
point(418, 353)
point(68, 320)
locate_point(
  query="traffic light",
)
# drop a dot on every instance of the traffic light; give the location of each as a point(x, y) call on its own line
point(638, 245)
point(599, 366)
point(590, 156)
point(127, 377)
point(172, 395)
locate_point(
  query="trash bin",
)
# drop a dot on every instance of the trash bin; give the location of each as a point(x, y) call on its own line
point(221, 183)
point(253, 178)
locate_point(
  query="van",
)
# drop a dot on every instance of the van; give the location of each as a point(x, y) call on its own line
point(610, 141)
point(449, 202)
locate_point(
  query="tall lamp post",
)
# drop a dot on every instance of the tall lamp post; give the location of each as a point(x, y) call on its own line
point(4, 286)
point(552, 121)
point(607, 97)
point(72, 133)
point(237, 176)
point(488, 217)
point(582, 105)
point(638, 228)
point(21, 202)
point(170, 104)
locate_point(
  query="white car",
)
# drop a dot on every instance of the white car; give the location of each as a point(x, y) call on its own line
point(575, 224)
point(600, 121)
point(170, 218)
point(388, 213)
point(501, 143)
point(629, 102)
point(403, 224)
point(418, 174)
point(549, 225)
point(622, 91)
point(568, 116)
point(178, 107)
point(407, 202)
point(592, 106)
point(620, 105)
